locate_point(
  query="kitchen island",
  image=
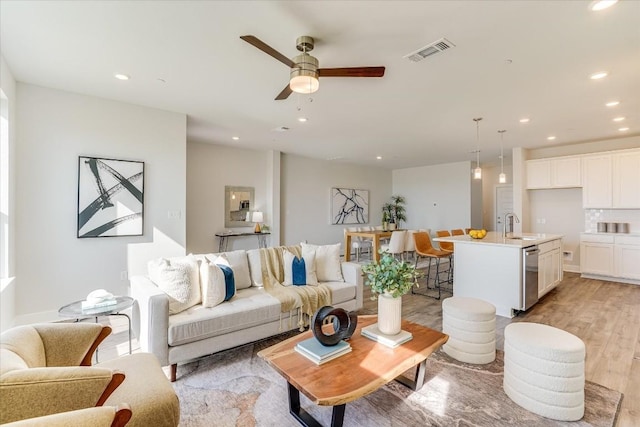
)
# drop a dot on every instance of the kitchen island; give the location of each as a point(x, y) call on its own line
point(511, 273)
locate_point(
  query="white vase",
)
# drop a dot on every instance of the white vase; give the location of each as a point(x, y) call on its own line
point(389, 314)
point(392, 226)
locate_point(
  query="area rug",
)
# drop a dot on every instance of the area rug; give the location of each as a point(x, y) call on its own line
point(236, 388)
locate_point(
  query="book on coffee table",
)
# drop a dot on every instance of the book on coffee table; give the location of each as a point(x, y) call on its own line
point(313, 350)
point(373, 333)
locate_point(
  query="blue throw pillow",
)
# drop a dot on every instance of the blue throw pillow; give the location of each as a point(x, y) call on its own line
point(298, 272)
point(230, 285)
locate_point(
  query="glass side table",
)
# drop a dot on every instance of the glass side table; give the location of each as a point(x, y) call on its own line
point(75, 311)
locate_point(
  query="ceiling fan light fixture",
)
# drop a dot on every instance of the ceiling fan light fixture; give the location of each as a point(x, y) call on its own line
point(304, 76)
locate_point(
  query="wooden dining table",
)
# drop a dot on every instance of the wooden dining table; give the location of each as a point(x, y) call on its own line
point(374, 235)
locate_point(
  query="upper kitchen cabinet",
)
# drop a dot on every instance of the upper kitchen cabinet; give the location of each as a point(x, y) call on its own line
point(596, 181)
point(611, 180)
point(558, 172)
point(626, 180)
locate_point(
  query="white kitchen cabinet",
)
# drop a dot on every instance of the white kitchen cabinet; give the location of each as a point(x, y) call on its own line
point(549, 266)
point(626, 180)
point(596, 254)
point(558, 172)
point(597, 181)
point(538, 173)
point(627, 257)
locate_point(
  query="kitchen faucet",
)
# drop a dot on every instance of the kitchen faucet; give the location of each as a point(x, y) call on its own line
point(508, 219)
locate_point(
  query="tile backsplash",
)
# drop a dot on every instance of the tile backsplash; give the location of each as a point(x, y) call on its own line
point(593, 216)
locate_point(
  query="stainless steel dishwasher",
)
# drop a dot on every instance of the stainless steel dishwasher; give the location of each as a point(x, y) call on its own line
point(529, 276)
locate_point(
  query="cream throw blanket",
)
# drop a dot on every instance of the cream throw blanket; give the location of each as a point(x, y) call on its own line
point(306, 299)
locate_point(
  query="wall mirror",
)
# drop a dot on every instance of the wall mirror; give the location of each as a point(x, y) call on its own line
point(238, 201)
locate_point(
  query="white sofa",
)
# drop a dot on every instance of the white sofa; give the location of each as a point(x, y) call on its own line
point(252, 314)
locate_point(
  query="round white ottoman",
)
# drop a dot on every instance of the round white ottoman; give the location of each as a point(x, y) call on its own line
point(544, 370)
point(471, 326)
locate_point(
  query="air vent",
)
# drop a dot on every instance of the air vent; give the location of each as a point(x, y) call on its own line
point(430, 49)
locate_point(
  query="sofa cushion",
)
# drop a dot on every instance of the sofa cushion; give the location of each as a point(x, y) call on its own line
point(341, 291)
point(328, 268)
point(250, 307)
point(237, 260)
point(305, 266)
point(179, 278)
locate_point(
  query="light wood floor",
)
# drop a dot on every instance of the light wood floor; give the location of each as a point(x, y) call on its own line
point(605, 315)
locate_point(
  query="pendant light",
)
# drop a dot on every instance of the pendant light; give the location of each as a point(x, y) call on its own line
point(502, 178)
point(477, 172)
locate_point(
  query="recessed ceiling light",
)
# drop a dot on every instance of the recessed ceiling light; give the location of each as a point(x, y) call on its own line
point(161, 80)
point(623, 129)
point(524, 120)
point(599, 75)
point(612, 103)
point(602, 4)
point(378, 157)
point(235, 138)
point(551, 138)
point(121, 76)
point(302, 119)
point(618, 119)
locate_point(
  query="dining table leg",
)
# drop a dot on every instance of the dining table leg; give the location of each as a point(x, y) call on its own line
point(347, 247)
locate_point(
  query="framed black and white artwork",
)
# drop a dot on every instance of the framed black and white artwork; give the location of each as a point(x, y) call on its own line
point(110, 197)
point(349, 206)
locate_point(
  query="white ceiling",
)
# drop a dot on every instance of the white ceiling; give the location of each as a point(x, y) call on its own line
point(417, 114)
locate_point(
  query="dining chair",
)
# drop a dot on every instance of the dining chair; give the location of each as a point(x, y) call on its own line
point(425, 249)
point(410, 244)
point(396, 243)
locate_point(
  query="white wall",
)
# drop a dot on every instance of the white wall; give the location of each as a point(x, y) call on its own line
point(559, 211)
point(438, 197)
point(209, 169)
point(53, 266)
point(306, 194)
point(8, 280)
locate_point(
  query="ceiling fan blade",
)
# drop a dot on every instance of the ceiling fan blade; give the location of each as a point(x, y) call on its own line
point(285, 93)
point(352, 72)
point(253, 40)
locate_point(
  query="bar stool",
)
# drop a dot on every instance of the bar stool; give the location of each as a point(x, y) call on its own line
point(447, 247)
point(457, 232)
point(425, 249)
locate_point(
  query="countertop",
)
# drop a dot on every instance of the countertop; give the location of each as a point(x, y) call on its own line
point(595, 233)
point(495, 239)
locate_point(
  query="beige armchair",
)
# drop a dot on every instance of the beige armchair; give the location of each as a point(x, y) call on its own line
point(45, 369)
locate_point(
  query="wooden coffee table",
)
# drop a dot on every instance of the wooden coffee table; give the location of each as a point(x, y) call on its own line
point(368, 367)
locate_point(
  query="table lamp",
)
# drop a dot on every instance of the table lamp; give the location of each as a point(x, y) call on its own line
point(257, 217)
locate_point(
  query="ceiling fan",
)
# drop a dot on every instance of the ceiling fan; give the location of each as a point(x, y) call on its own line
point(304, 67)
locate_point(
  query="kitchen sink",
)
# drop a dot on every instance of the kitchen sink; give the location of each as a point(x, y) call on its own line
point(522, 238)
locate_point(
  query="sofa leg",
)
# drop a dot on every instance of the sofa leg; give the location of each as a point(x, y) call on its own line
point(174, 371)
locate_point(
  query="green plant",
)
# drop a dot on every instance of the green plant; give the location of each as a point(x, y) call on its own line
point(395, 210)
point(390, 275)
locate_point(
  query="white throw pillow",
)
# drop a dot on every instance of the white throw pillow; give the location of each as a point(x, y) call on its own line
point(179, 278)
point(328, 266)
point(213, 284)
point(237, 260)
point(309, 265)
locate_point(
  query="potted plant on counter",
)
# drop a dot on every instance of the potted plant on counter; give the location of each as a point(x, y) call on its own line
point(389, 280)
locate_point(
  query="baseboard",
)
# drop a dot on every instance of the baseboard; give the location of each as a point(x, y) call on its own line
point(571, 268)
point(610, 279)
